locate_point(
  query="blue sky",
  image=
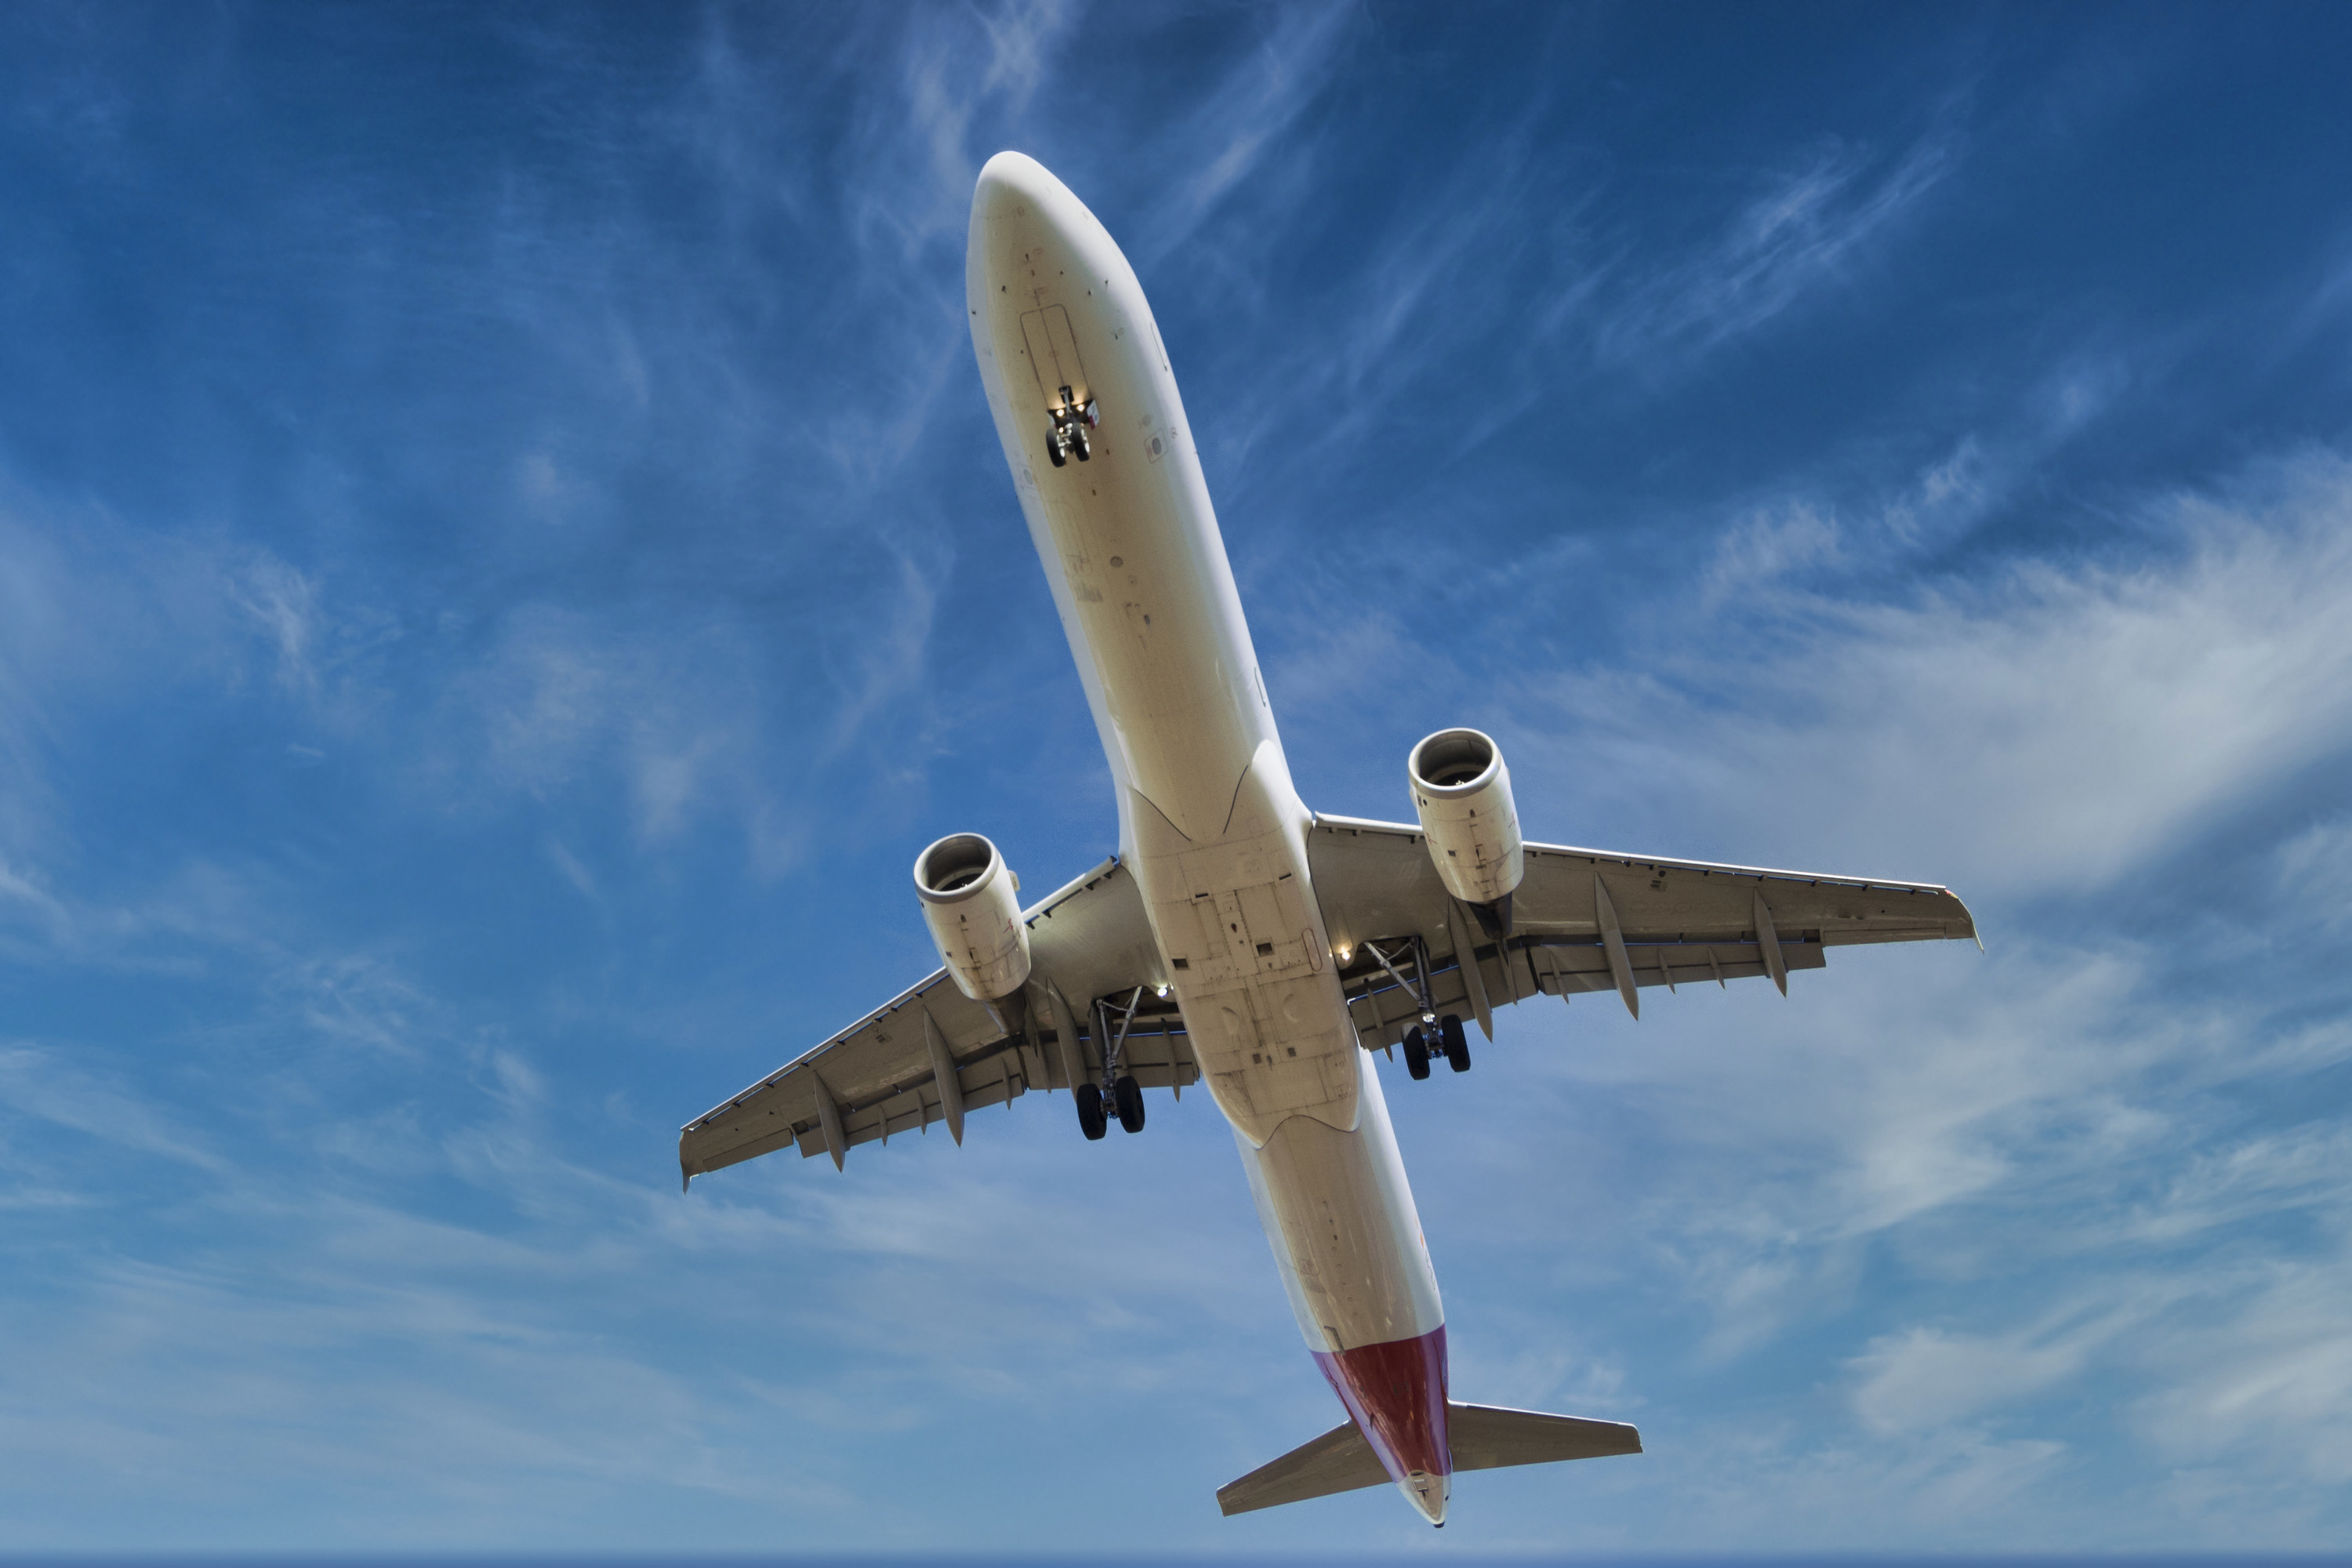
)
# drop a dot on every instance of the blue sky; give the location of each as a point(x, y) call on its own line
point(503, 561)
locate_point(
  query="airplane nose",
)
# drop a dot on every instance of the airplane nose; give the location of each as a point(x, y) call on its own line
point(1012, 180)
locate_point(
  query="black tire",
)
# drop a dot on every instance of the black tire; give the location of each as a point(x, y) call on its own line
point(1127, 1095)
point(1458, 1045)
point(1054, 451)
point(1079, 444)
point(1416, 1053)
point(1090, 1110)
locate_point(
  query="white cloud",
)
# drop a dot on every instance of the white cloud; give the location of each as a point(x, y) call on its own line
point(2042, 732)
point(1928, 1378)
point(2313, 873)
point(1768, 546)
point(1808, 232)
point(284, 603)
point(1232, 131)
point(35, 1081)
point(2268, 1384)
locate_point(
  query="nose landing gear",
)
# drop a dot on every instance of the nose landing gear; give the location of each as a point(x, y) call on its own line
point(1071, 421)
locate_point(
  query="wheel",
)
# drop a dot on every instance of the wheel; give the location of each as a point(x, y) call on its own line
point(1090, 1110)
point(1054, 451)
point(1456, 1046)
point(1078, 444)
point(1127, 1095)
point(1416, 1053)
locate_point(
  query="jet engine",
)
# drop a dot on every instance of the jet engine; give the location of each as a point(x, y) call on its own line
point(1463, 791)
point(970, 902)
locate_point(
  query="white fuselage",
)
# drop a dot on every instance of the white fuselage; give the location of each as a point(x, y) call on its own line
point(1210, 825)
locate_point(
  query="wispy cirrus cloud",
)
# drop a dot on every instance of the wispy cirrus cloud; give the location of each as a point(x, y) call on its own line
point(2050, 725)
point(1809, 231)
point(1246, 118)
point(510, 562)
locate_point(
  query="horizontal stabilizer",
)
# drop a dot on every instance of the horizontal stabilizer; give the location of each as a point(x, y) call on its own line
point(1487, 1437)
point(1484, 1438)
point(1339, 1461)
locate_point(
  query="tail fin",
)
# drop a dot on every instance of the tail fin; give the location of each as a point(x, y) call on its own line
point(1484, 1438)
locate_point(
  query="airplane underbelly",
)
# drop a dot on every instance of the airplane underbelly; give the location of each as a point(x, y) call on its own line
point(1346, 1235)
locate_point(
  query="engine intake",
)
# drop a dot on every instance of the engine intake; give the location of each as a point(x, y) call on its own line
point(971, 903)
point(1463, 791)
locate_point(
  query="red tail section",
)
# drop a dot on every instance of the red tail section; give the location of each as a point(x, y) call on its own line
point(1396, 1392)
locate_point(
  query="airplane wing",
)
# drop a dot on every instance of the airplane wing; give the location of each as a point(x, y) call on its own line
point(1587, 920)
point(930, 1053)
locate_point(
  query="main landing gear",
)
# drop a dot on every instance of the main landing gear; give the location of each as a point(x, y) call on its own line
point(1067, 439)
point(1443, 1038)
point(1117, 1094)
point(1433, 1035)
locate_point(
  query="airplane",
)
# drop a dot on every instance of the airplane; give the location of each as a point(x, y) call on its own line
point(1239, 937)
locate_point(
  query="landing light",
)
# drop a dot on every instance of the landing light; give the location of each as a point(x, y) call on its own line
point(1346, 954)
point(1160, 992)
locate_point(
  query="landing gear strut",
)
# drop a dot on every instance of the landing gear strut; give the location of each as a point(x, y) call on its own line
point(1433, 1035)
point(1072, 420)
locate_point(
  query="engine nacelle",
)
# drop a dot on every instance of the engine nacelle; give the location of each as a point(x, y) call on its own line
point(971, 903)
point(1463, 791)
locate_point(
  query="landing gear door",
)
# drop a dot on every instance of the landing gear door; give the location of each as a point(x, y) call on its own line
point(1054, 354)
